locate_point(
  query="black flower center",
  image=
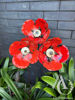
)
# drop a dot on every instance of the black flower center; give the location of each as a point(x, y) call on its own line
point(51, 53)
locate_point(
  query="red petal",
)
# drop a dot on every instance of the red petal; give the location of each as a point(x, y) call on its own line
point(52, 66)
point(25, 39)
point(33, 46)
point(63, 50)
point(42, 22)
point(55, 41)
point(52, 42)
point(47, 44)
point(27, 26)
point(42, 49)
point(42, 58)
point(34, 58)
point(45, 37)
point(28, 57)
point(20, 62)
point(15, 47)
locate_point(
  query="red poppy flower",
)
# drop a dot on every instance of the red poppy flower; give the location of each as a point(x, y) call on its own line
point(52, 54)
point(24, 53)
point(37, 31)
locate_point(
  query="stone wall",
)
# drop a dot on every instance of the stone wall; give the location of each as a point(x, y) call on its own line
point(60, 15)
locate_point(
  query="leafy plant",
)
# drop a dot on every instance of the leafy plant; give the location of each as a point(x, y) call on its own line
point(12, 87)
point(50, 81)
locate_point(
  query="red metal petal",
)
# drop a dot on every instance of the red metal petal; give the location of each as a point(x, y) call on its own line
point(25, 39)
point(16, 46)
point(52, 66)
point(20, 62)
point(55, 41)
point(42, 57)
point(41, 22)
point(33, 46)
point(63, 50)
point(27, 26)
point(34, 58)
point(45, 37)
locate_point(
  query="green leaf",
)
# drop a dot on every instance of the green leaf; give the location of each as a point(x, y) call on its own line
point(33, 90)
point(39, 85)
point(1, 60)
point(46, 95)
point(55, 75)
point(50, 80)
point(71, 69)
point(65, 75)
point(10, 83)
point(61, 97)
point(50, 91)
point(11, 68)
point(69, 96)
point(74, 83)
point(19, 84)
point(6, 63)
point(46, 99)
point(4, 94)
point(64, 68)
point(39, 94)
point(48, 73)
point(1, 82)
point(26, 96)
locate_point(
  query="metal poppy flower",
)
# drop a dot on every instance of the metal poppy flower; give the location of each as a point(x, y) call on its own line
point(24, 53)
point(52, 54)
point(37, 31)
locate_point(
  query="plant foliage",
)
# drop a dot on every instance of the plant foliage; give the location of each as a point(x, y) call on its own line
point(12, 87)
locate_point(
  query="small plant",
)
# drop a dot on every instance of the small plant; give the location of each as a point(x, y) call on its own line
point(12, 86)
point(49, 84)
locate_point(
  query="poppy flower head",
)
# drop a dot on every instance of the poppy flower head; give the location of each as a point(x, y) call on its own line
point(37, 31)
point(52, 54)
point(24, 53)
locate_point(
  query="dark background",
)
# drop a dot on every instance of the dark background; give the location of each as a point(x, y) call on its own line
point(60, 15)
